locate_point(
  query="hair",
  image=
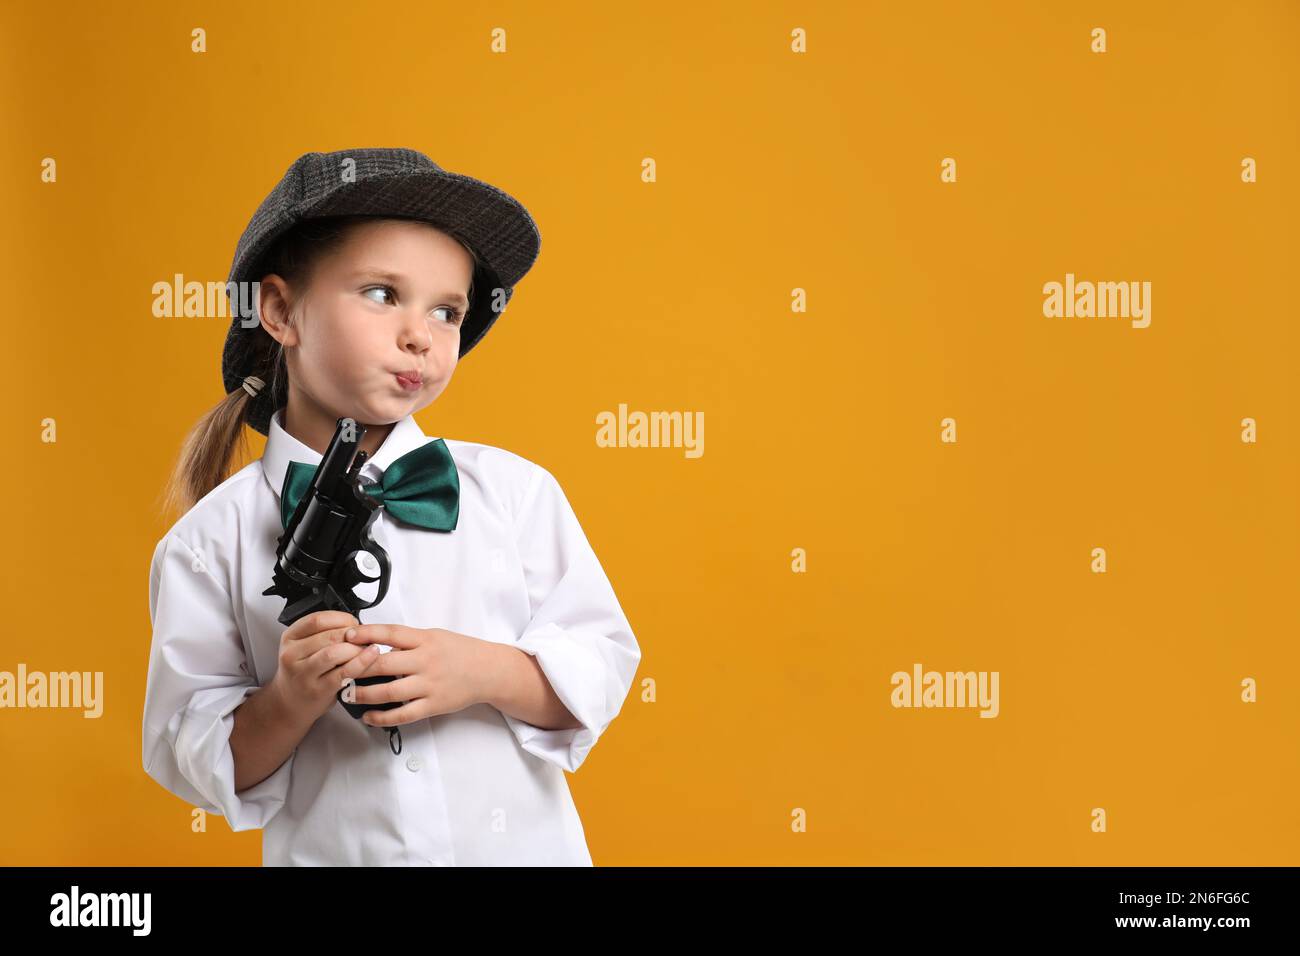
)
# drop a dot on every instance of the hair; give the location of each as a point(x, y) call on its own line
point(209, 449)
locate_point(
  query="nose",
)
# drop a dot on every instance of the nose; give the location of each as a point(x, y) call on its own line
point(414, 335)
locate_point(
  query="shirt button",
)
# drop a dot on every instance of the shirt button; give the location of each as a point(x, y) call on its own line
point(413, 764)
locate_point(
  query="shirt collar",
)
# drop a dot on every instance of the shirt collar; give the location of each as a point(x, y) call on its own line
point(282, 448)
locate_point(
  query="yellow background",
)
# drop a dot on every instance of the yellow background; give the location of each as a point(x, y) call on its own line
point(775, 171)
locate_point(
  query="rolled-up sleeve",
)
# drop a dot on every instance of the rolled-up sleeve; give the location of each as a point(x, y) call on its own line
point(578, 633)
point(198, 676)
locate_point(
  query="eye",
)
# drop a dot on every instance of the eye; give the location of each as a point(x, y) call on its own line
point(380, 288)
point(455, 316)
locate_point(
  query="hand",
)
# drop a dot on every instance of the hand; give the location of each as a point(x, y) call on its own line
point(315, 661)
point(438, 672)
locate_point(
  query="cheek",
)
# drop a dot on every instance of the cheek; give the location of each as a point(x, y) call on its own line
point(344, 345)
point(448, 365)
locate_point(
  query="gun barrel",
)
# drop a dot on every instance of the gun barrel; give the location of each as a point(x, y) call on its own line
point(320, 535)
point(337, 459)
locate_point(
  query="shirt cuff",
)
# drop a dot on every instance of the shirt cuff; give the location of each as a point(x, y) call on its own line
point(192, 758)
point(577, 674)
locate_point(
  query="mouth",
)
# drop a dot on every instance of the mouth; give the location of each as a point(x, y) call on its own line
point(411, 381)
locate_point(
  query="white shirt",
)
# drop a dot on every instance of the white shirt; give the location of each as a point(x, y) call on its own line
point(472, 788)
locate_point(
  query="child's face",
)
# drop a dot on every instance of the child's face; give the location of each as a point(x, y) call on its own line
point(389, 300)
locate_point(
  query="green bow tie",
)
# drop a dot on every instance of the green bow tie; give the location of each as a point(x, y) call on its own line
point(421, 488)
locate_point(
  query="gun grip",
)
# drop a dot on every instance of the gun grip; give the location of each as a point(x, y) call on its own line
point(355, 709)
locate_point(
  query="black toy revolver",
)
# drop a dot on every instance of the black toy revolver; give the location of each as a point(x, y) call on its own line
point(326, 550)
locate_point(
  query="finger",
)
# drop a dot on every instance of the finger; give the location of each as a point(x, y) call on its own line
point(394, 635)
point(318, 621)
point(402, 689)
point(398, 715)
point(397, 663)
point(329, 657)
point(306, 647)
point(356, 667)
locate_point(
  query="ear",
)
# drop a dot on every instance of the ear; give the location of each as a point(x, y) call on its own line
point(273, 302)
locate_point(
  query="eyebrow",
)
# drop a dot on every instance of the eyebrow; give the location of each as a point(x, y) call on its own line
point(394, 279)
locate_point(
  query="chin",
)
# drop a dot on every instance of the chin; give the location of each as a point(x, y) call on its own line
point(398, 408)
point(381, 412)
point(417, 403)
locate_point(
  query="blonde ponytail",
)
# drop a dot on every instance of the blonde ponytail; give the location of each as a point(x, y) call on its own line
point(209, 449)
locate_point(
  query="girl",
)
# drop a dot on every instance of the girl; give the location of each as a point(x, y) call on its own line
point(372, 272)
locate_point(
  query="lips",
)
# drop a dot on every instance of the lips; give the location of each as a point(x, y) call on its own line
point(410, 380)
